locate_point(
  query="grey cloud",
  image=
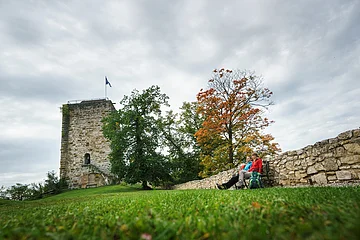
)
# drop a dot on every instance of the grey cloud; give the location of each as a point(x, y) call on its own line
point(23, 31)
point(47, 87)
point(29, 156)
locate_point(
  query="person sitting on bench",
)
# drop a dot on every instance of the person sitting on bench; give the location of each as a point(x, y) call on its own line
point(247, 165)
point(243, 174)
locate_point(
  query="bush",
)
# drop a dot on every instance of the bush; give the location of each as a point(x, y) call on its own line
point(19, 192)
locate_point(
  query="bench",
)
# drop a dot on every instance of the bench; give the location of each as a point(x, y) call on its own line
point(264, 176)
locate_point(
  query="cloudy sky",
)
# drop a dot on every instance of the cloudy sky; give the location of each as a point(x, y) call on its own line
point(308, 53)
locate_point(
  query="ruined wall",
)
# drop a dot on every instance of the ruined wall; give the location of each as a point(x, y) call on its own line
point(84, 149)
point(207, 183)
point(335, 160)
point(329, 162)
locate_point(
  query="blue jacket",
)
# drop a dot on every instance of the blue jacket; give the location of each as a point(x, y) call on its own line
point(248, 166)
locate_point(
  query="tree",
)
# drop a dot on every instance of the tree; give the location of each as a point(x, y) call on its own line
point(18, 192)
point(3, 192)
point(232, 107)
point(36, 191)
point(135, 135)
point(53, 185)
point(183, 152)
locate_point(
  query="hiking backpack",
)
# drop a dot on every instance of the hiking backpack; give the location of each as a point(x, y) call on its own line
point(255, 181)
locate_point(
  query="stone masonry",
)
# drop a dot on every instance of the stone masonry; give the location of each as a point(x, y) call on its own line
point(331, 161)
point(334, 161)
point(84, 150)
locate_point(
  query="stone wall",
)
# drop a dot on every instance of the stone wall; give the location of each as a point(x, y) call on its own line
point(208, 183)
point(331, 161)
point(328, 162)
point(82, 136)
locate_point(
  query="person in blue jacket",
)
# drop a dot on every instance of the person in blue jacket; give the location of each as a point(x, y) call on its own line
point(236, 178)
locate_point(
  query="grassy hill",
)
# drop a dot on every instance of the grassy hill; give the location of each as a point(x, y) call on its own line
point(120, 212)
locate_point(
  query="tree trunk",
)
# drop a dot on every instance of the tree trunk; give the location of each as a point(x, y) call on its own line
point(231, 147)
point(145, 186)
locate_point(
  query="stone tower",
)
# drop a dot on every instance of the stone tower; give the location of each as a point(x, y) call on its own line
point(84, 150)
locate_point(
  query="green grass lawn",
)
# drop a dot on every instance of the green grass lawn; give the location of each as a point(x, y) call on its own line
point(119, 212)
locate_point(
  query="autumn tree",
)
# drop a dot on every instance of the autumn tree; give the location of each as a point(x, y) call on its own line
point(135, 134)
point(233, 107)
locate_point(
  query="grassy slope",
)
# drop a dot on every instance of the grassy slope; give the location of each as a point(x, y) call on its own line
point(118, 212)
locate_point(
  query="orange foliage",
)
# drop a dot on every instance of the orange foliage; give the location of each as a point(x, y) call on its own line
point(232, 107)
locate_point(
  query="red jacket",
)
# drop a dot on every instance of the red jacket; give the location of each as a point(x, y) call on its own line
point(256, 166)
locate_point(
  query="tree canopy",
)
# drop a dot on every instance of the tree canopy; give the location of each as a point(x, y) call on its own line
point(136, 138)
point(183, 151)
point(232, 107)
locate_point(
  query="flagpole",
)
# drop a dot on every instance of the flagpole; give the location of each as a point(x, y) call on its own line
point(105, 89)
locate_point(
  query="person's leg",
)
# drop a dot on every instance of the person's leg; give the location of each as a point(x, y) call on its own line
point(242, 176)
point(247, 175)
point(231, 182)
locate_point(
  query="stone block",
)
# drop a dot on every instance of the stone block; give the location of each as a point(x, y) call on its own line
point(343, 175)
point(283, 177)
point(332, 178)
point(290, 165)
point(350, 159)
point(338, 162)
point(319, 167)
point(356, 133)
point(345, 167)
point(303, 180)
point(311, 170)
point(291, 177)
point(291, 153)
point(333, 140)
point(328, 155)
point(324, 142)
point(300, 175)
point(319, 178)
point(355, 173)
point(339, 152)
point(310, 161)
point(352, 148)
point(330, 164)
point(303, 163)
point(345, 135)
point(324, 149)
point(316, 152)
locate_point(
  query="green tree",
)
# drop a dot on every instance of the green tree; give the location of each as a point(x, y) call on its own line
point(3, 192)
point(53, 185)
point(136, 138)
point(183, 151)
point(18, 192)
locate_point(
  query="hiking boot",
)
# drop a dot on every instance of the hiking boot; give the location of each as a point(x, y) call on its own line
point(239, 187)
point(220, 187)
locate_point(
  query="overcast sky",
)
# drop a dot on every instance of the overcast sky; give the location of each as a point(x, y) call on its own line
point(308, 53)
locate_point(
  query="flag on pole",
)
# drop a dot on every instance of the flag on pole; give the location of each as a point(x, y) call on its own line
point(107, 82)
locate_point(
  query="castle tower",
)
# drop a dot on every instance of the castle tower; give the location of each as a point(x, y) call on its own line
point(84, 150)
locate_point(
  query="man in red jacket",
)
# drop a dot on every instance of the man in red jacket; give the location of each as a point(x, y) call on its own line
point(243, 174)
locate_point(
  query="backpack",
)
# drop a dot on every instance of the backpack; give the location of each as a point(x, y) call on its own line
point(255, 181)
